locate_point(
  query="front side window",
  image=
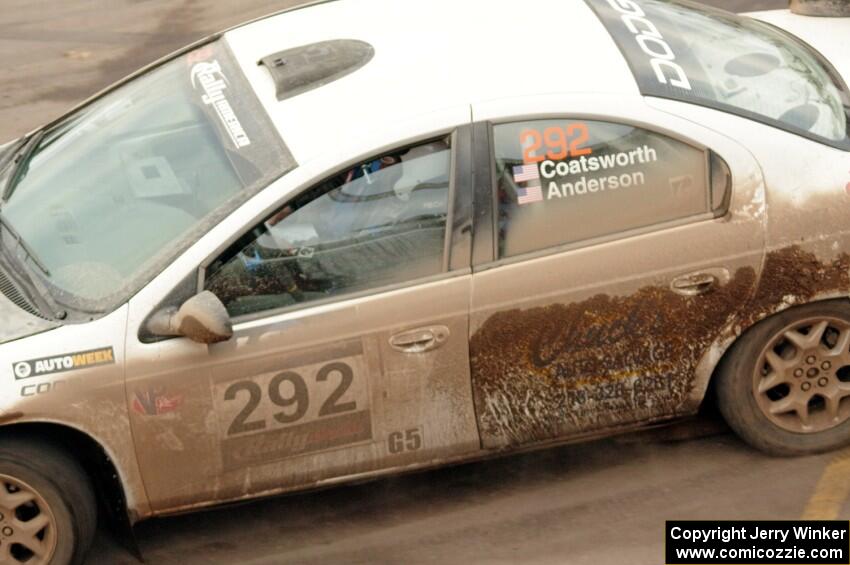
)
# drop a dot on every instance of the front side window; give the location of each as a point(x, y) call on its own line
point(737, 64)
point(566, 181)
point(112, 193)
point(380, 223)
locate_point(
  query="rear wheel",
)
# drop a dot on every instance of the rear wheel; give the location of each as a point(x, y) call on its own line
point(785, 385)
point(48, 514)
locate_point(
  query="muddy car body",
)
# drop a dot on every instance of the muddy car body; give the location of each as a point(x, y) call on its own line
point(305, 252)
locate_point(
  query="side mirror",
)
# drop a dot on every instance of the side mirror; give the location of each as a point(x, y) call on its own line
point(202, 318)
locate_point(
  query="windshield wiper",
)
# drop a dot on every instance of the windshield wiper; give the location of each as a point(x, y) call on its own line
point(9, 153)
point(4, 223)
point(21, 164)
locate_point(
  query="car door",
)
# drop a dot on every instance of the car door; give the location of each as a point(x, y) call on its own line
point(624, 244)
point(350, 306)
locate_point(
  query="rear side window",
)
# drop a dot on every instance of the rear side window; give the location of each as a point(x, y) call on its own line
point(566, 181)
point(736, 64)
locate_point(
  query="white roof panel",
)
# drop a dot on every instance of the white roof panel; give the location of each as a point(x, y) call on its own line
point(429, 56)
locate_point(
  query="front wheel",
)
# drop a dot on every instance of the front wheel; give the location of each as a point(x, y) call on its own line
point(48, 513)
point(784, 387)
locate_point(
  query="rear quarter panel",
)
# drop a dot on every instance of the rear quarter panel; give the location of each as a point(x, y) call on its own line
point(807, 204)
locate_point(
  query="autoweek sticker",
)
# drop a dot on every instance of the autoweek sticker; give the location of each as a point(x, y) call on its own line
point(63, 363)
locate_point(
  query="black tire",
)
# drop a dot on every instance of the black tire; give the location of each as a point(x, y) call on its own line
point(65, 488)
point(737, 399)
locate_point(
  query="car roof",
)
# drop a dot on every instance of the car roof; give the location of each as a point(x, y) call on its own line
point(429, 56)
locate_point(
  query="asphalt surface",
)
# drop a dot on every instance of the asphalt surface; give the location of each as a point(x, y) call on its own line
point(595, 503)
point(590, 504)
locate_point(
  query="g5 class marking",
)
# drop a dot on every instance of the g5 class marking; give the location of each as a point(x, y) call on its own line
point(405, 441)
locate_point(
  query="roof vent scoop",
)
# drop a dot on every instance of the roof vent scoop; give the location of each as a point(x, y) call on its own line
point(304, 68)
point(835, 8)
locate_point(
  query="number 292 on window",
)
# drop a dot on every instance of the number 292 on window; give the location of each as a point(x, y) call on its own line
point(560, 143)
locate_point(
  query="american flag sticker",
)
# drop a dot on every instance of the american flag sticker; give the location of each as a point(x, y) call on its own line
point(526, 173)
point(529, 194)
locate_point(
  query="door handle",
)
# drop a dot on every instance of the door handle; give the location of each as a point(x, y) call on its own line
point(420, 340)
point(694, 284)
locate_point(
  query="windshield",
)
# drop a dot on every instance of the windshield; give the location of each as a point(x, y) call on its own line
point(697, 54)
point(114, 192)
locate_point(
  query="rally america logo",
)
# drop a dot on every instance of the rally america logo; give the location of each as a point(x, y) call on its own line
point(63, 363)
point(210, 78)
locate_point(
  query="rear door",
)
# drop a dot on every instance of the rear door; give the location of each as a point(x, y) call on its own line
point(625, 242)
point(350, 304)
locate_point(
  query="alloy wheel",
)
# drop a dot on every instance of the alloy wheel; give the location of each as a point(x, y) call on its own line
point(802, 379)
point(27, 525)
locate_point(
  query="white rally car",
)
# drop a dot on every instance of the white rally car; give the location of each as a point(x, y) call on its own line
point(369, 236)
